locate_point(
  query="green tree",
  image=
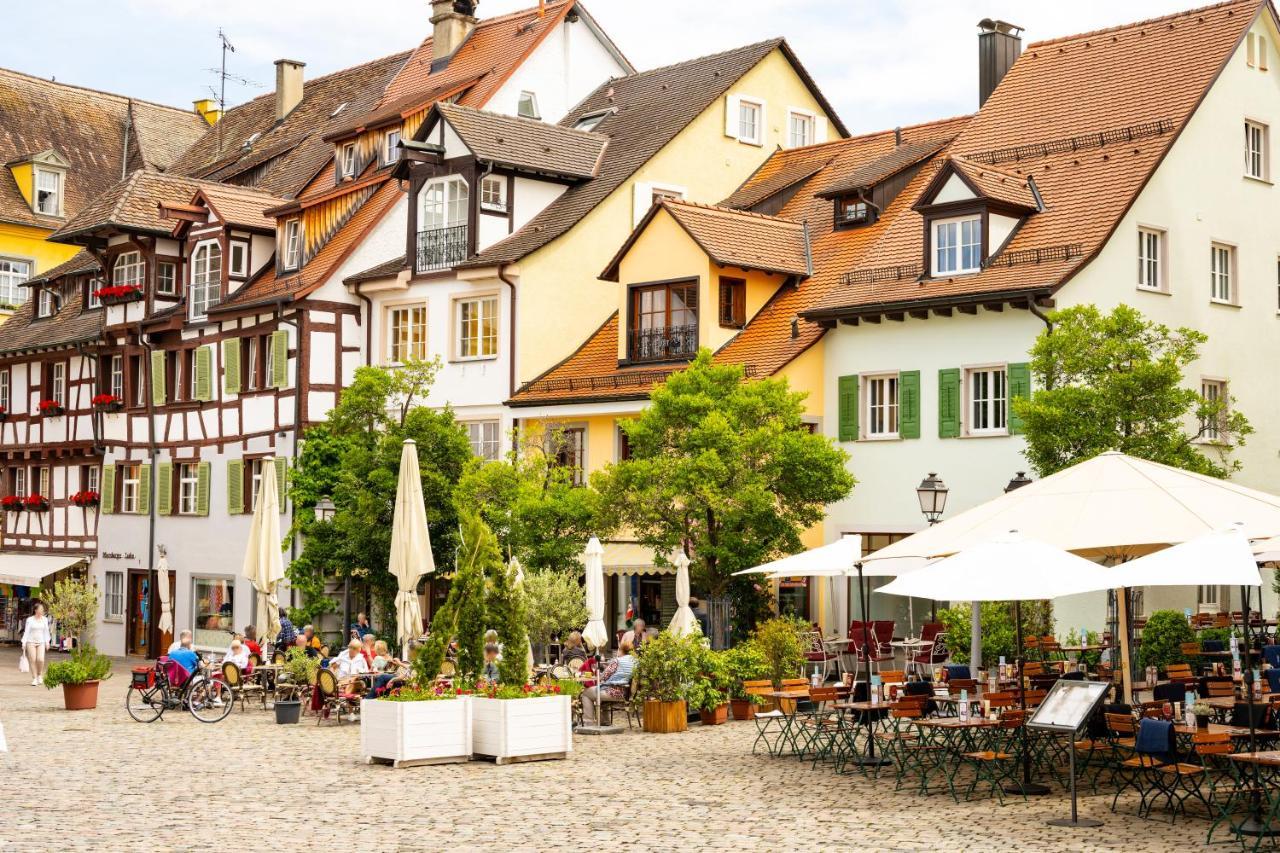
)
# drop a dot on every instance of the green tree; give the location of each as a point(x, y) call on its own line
point(554, 604)
point(507, 615)
point(478, 563)
point(1117, 382)
point(727, 466)
point(1162, 639)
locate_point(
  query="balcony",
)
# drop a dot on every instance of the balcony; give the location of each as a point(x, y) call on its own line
point(441, 248)
point(666, 344)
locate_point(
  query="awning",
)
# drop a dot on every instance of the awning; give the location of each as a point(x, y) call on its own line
point(631, 558)
point(31, 569)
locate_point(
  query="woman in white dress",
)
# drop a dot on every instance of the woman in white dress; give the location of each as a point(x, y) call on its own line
point(37, 636)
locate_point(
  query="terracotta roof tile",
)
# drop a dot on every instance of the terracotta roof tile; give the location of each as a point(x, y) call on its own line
point(526, 144)
point(998, 184)
point(81, 261)
point(900, 158)
point(241, 206)
point(783, 170)
point(386, 269)
point(71, 325)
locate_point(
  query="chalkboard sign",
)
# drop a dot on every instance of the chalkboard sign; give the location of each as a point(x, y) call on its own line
point(1068, 705)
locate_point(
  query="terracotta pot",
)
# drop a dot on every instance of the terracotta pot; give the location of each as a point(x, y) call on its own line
point(716, 716)
point(665, 717)
point(80, 697)
point(743, 709)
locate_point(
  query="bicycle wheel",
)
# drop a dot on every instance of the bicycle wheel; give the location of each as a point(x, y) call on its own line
point(209, 701)
point(145, 706)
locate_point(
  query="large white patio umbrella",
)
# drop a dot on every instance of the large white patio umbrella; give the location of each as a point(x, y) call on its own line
point(263, 558)
point(595, 634)
point(162, 587)
point(683, 622)
point(514, 566)
point(1112, 507)
point(1222, 557)
point(411, 556)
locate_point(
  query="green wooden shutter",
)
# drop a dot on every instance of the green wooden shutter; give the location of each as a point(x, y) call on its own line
point(164, 488)
point(282, 468)
point(279, 359)
point(144, 490)
point(949, 402)
point(235, 486)
point(848, 402)
point(204, 373)
point(202, 488)
point(107, 498)
point(1019, 389)
point(231, 366)
point(909, 404)
point(157, 377)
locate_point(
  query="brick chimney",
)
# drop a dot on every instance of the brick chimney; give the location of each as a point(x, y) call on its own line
point(288, 86)
point(453, 21)
point(999, 45)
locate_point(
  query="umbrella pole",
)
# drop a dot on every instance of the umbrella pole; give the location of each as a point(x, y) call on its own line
point(1026, 786)
point(1122, 628)
point(863, 591)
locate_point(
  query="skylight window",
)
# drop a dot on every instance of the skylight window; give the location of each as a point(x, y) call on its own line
point(590, 121)
point(342, 106)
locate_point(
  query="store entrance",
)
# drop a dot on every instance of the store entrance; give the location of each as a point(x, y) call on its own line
point(138, 624)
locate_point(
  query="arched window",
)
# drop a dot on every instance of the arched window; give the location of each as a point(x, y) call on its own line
point(206, 278)
point(442, 223)
point(127, 269)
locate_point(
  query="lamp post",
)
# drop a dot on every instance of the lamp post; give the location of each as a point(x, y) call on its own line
point(325, 511)
point(932, 494)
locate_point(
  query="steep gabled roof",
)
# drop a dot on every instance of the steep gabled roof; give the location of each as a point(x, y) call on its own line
point(882, 168)
point(240, 205)
point(526, 144)
point(992, 183)
point(81, 261)
point(71, 325)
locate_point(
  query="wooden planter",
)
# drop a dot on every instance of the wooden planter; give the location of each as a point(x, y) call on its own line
point(510, 730)
point(405, 734)
point(665, 717)
point(743, 709)
point(80, 697)
point(715, 717)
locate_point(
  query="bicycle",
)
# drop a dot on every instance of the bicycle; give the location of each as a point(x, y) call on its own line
point(151, 693)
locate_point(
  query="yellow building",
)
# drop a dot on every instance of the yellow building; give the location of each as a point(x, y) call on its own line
point(61, 146)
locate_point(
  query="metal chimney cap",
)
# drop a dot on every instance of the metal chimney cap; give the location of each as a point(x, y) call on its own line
point(995, 25)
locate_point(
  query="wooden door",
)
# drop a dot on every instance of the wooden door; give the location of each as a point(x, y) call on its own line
point(138, 639)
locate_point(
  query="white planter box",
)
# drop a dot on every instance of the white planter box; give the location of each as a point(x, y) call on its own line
point(522, 729)
point(409, 733)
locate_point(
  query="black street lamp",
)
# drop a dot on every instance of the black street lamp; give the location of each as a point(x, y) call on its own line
point(932, 493)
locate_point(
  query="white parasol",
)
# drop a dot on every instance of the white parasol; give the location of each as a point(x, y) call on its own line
point(683, 622)
point(595, 634)
point(263, 558)
point(411, 556)
point(162, 588)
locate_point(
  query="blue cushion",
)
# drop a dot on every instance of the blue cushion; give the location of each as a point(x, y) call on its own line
point(958, 671)
point(1212, 646)
point(1273, 679)
point(1155, 737)
point(1271, 654)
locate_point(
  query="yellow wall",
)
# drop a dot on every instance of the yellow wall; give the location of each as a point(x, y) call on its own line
point(602, 434)
point(24, 177)
point(26, 243)
point(560, 292)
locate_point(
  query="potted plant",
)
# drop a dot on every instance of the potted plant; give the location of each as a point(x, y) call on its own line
point(107, 403)
point(1202, 710)
point(79, 677)
point(300, 669)
point(417, 725)
point(51, 409)
point(35, 503)
point(1162, 639)
point(744, 662)
point(779, 641)
point(665, 668)
point(85, 498)
point(118, 294)
point(11, 503)
point(521, 722)
point(709, 693)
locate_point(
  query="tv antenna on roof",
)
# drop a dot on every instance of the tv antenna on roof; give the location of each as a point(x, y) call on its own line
point(223, 77)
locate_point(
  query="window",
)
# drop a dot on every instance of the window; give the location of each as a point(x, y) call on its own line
point(800, 128)
point(206, 278)
point(212, 610)
point(443, 204)
point(113, 597)
point(130, 479)
point(268, 360)
point(408, 339)
point(91, 477)
point(391, 150)
point(664, 321)
point(1256, 163)
point(988, 401)
point(1214, 392)
point(624, 445)
point(665, 193)
point(484, 439)
point(239, 259)
point(590, 121)
point(733, 303)
point(292, 244)
point(137, 380)
point(493, 193)
point(115, 381)
point(750, 121)
point(167, 278)
point(569, 451)
point(58, 383)
point(528, 105)
point(5, 380)
point(881, 395)
point(957, 245)
point(12, 274)
point(852, 210)
point(127, 269)
point(1207, 598)
point(1150, 266)
point(349, 160)
point(1221, 262)
point(477, 327)
point(47, 302)
point(48, 192)
point(19, 481)
point(251, 347)
point(46, 486)
point(188, 481)
point(92, 300)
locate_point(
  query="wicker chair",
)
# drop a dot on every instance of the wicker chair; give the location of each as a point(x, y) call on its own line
point(334, 698)
point(241, 689)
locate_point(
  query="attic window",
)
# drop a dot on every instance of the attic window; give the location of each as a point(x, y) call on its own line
point(590, 121)
point(852, 210)
point(48, 192)
point(528, 106)
point(349, 160)
point(47, 303)
point(339, 108)
point(957, 245)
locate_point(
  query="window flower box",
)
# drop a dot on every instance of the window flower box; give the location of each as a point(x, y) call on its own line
point(119, 294)
point(86, 498)
point(51, 409)
point(36, 503)
point(4, 414)
point(11, 503)
point(107, 403)
point(526, 729)
point(408, 733)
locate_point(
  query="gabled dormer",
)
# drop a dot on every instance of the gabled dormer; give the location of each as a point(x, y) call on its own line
point(861, 195)
point(970, 211)
point(42, 180)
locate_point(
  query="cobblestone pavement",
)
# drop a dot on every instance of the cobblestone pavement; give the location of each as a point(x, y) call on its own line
point(97, 780)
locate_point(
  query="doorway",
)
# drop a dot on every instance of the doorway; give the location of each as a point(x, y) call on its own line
point(138, 624)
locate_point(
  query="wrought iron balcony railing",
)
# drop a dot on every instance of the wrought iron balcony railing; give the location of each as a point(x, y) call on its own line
point(666, 344)
point(441, 248)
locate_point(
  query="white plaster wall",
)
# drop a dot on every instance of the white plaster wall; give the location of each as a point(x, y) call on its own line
point(491, 230)
point(384, 242)
point(567, 66)
point(531, 197)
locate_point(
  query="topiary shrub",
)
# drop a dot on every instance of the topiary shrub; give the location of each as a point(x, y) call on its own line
point(1162, 639)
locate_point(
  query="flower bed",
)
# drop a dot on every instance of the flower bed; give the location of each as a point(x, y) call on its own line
point(118, 294)
point(51, 408)
point(525, 723)
point(107, 403)
point(86, 498)
point(411, 727)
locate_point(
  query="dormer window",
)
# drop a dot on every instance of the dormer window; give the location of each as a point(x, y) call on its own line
point(292, 244)
point(590, 121)
point(391, 150)
point(527, 107)
point(49, 192)
point(127, 269)
point(92, 299)
point(957, 245)
point(349, 160)
point(852, 210)
point(206, 278)
point(47, 302)
point(493, 193)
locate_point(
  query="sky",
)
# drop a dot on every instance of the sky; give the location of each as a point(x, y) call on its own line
point(881, 64)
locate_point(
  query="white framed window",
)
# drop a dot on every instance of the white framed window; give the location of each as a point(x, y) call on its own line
point(493, 193)
point(957, 245)
point(485, 439)
point(255, 467)
point(20, 481)
point(206, 278)
point(527, 106)
point(58, 383)
point(800, 128)
point(1222, 258)
point(590, 121)
point(46, 302)
point(92, 478)
point(239, 265)
point(1256, 143)
point(1214, 391)
point(48, 192)
point(349, 160)
point(569, 450)
point(5, 386)
point(127, 269)
point(407, 338)
point(268, 361)
point(213, 611)
point(1151, 259)
point(116, 381)
point(292, 244)
point(477, 329)
point(166, 278)
point(880, 404)
point(91, 295)
point(46, 484)
point(252, 346)
point(988, 389)
point(113, 597)
point(391, 146)
point(13, 273)
point(442, 203)
point(137, 376)
point(751, 121)
point(130, 478)
point(188, 483)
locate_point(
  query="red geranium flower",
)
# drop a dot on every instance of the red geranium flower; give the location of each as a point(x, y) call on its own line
point(46, 405)
point(105, 399)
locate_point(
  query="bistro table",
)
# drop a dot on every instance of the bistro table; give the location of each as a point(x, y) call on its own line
point(956, 737)
point(910, 648)
point(867, 757)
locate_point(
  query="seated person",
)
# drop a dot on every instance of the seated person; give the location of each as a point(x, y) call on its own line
point(637, 635)
point(361, 626)
point(383, 660)
point(309, 635)
point(238, 654)
point(490, 671)
point(183, 639)
point(350, 663)
point(185, 655)
point(367, 648)
point(573, 649)
point(251, 641)
point(614, 681)
point(300, 642)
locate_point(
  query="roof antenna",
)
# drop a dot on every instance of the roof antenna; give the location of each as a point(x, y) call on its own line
point(223, 77)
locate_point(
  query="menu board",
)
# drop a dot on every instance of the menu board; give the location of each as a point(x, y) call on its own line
point(1069, 705)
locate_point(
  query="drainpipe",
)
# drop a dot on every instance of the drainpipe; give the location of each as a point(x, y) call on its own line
point(511, 355)
point(1035, 309)
point(153, 453)
point(368, 324)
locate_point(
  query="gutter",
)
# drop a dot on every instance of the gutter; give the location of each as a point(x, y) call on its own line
point(934, 302)
point(153, 454)
point(297, 424)
point(511, 358)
